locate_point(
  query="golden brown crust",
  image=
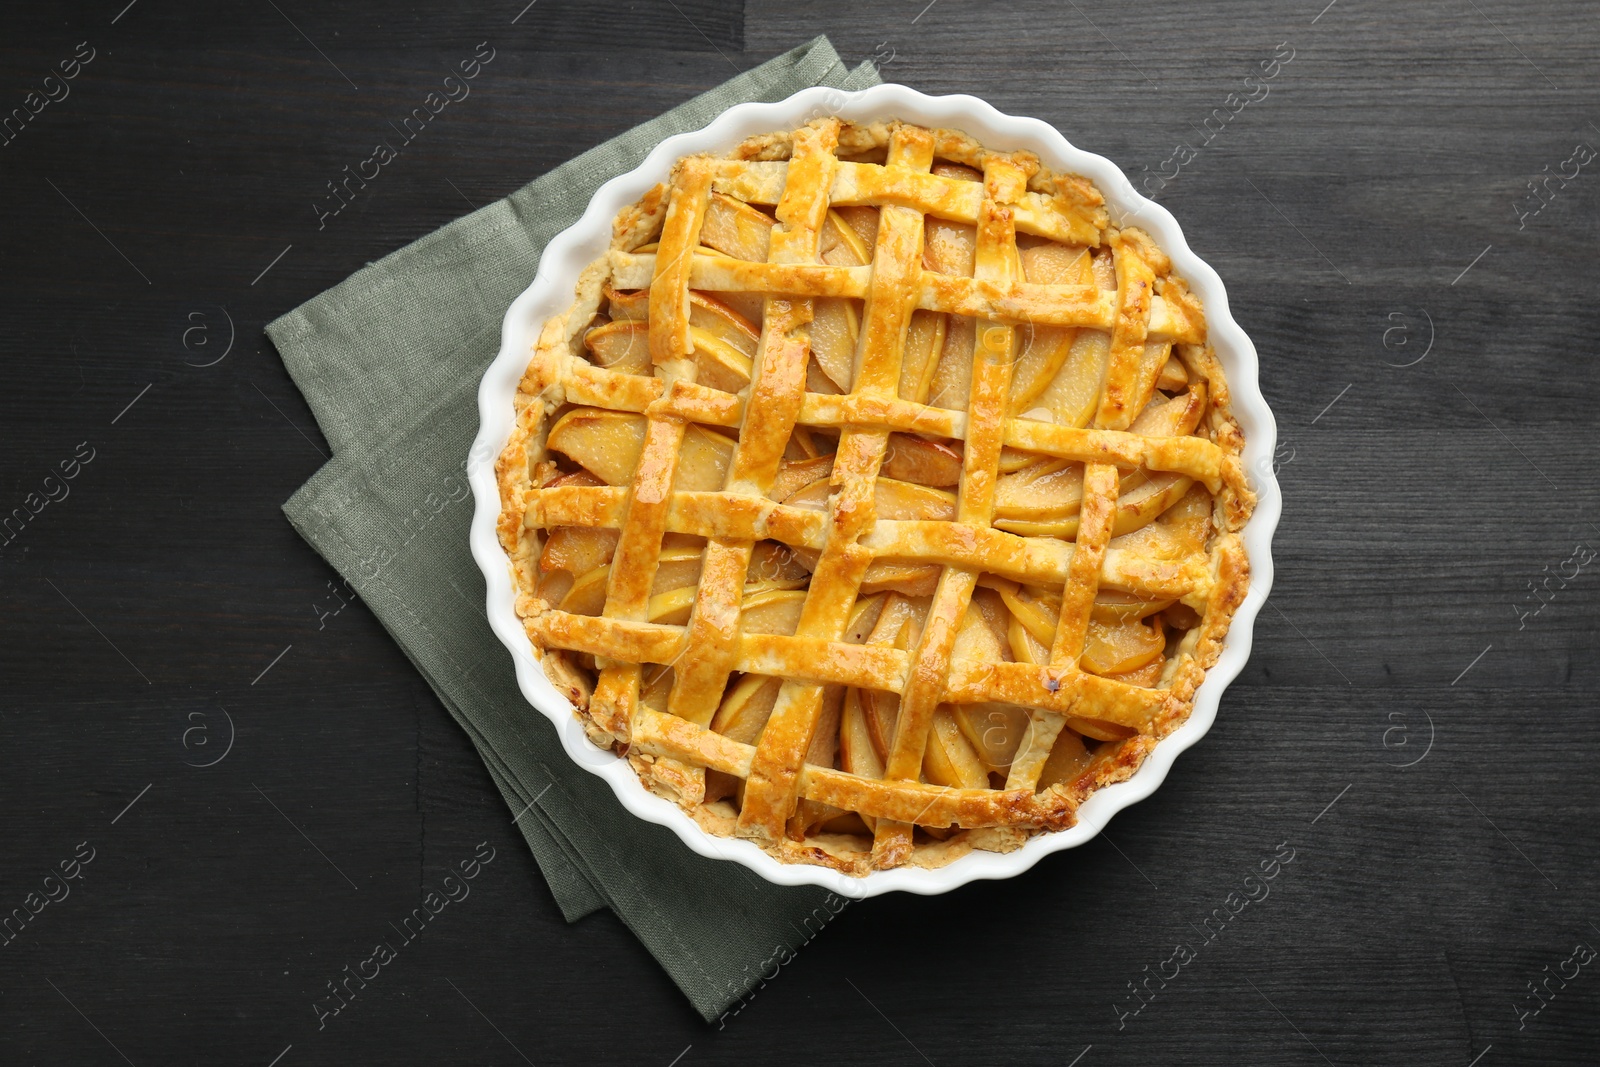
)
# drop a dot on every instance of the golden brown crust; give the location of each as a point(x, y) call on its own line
point(663, 664)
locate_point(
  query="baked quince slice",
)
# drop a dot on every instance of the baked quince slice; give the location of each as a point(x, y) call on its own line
point(608, 443)
point(622, 346)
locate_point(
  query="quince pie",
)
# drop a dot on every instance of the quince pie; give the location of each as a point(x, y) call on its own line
point(877, 498)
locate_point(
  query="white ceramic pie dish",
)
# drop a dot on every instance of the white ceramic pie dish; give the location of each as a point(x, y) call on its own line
point(552, 292)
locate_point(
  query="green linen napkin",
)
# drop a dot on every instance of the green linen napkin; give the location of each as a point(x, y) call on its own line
point(389, 361)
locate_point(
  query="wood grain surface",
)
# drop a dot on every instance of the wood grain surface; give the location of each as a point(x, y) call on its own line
point(1414, 725)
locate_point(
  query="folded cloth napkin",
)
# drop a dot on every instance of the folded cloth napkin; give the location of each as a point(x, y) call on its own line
point(389, 361)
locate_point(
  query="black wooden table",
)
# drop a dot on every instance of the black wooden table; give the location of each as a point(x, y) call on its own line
point(1416, 727)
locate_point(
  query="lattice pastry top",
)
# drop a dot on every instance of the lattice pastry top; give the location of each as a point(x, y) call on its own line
point(877, 498)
